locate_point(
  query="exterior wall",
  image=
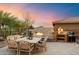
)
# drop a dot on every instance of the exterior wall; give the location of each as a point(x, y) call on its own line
point(68, 27)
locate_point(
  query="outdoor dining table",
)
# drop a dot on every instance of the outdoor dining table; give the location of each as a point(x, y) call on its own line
point(34, 40)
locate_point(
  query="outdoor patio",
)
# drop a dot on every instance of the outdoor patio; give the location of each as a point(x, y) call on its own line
point(53, 48)
point(40, 33)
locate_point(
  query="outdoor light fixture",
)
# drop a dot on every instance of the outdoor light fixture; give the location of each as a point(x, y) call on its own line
point(60, 30)
point(39, 33)
point(30, 33)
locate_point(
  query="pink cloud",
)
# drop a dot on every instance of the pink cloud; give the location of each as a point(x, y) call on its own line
point(38, 16)
point(15, 9)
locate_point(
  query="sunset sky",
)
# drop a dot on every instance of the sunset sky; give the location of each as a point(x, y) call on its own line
point(42, 14)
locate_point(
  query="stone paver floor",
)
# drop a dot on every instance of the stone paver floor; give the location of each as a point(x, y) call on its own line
point(53, 48)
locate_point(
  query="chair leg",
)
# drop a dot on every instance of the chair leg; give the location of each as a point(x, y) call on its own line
point(42, 48)
point(29, 53)
point(38, 49)
point(19, 52)
point(45, 49)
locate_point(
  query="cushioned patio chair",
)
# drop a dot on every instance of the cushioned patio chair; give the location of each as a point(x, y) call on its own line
point(12, 44)
point(41, 45)
point(25, 47)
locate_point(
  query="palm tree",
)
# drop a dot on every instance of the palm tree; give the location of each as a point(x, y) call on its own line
point(6, 19)
point(12, 23)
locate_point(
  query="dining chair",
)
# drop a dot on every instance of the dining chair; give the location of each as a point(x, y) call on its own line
point(26, 47)
point(17, 36)
point(41, 45)
point(12, 44)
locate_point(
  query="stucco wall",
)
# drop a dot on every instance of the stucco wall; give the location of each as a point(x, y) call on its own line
point(68, 27)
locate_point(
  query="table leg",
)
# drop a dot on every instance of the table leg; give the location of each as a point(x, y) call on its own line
point(18, 48)
point(66, 38)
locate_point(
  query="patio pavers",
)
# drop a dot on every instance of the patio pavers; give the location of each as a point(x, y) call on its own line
point(3, 43)
point(53, 48)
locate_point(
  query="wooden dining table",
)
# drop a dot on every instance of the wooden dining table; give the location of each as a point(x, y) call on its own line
point(33, 41)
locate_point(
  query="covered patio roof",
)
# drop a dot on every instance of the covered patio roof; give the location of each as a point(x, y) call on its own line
point(69, 20)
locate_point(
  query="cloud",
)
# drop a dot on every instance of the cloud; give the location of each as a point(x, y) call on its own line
point(40, 17)
point(15, 9)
